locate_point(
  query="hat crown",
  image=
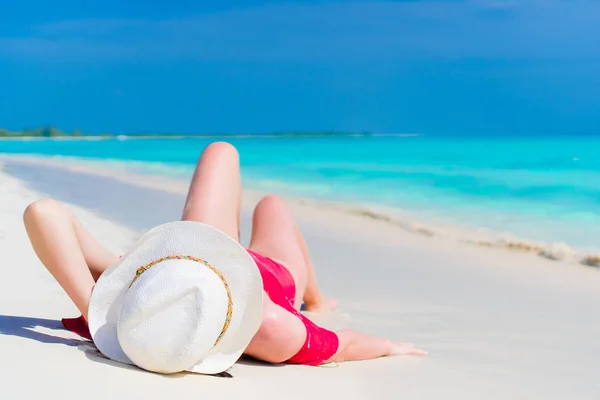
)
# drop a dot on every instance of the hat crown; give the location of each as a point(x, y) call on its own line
point(172, 315)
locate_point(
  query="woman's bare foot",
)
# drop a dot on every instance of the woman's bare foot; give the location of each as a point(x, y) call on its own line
point(321, 305)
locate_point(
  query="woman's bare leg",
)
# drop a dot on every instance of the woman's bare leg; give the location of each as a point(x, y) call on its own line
point(276, 235)
point(215, 193)
point(66, 249)
point(214, 198)
point(313, 299)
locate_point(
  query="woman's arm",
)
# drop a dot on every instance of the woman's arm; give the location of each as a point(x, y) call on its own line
point(282, 334)
point(355, 346)
point(66, 249)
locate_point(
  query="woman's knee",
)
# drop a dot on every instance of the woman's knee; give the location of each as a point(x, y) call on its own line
point(40, 209)
point(220, 150)
point(273, 208)
point(271, 203)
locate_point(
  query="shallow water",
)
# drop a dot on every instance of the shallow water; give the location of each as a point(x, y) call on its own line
point(544, 189)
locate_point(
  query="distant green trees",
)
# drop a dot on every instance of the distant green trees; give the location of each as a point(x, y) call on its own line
point(47, 132)
point(52, 132)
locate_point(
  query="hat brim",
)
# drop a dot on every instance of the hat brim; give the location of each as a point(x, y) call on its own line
point(189, 239)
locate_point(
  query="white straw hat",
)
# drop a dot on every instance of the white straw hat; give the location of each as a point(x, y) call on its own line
point(187, 298)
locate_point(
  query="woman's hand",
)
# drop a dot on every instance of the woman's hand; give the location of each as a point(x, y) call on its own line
point(355, 346)
point(403, 349)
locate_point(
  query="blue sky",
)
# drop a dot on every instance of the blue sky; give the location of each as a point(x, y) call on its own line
point(434, 67)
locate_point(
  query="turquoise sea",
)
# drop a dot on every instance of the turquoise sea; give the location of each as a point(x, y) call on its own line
point(543, 189)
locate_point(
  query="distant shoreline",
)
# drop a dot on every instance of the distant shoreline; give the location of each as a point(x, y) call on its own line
point(57, 134)
point(207, 136)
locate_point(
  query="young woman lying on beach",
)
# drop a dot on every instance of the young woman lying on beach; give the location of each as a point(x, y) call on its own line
point(76, 260)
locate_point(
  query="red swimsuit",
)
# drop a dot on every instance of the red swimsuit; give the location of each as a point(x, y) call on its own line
point(320, 344)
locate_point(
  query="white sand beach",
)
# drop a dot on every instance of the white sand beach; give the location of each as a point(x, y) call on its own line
point(498, 324)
